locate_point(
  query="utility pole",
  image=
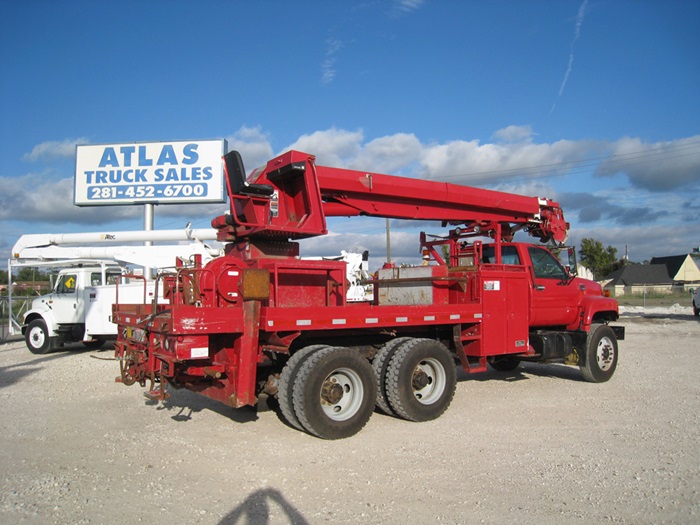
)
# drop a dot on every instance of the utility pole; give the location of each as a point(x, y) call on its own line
point(388, 241)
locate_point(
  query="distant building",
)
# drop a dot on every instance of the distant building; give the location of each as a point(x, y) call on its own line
point(31, 286)
point(676, 273)
point(681, 268)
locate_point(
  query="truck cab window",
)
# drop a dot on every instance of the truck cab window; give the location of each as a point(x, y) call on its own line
point(545, 265)
point(66, 283)
point(509, 255)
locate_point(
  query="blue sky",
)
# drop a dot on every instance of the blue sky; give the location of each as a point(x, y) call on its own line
point(593, 103)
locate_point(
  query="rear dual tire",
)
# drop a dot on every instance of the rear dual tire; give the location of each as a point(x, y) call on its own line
point(380, 364)
point(420, 380)
point(334, 393)
point(327, 391)
point(331, 392)
point(285, 389)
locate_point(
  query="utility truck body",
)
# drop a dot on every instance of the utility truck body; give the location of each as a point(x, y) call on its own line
point(78, 309)
point(261, 320)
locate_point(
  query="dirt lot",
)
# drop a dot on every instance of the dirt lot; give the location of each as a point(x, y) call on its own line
point(534, 446)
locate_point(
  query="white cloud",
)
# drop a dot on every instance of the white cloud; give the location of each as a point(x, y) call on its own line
point(535, 188)
point(253, 145)
point(457, 161)
point(347, 149)
point(333, 46)
point(470, 162)
point(514, 134)
point(390, 154)
point(408, 5)
point(54, 149)
point(332, 147)
point(643, 242)
point(40, 197)
point(660, 166)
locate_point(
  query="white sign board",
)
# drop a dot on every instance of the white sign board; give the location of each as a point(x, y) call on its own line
point(156, 172)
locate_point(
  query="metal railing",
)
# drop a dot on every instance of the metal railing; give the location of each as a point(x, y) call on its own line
point(11, 318)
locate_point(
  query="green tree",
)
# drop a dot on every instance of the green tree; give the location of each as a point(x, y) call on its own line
point(600, 260)
point(30, 274)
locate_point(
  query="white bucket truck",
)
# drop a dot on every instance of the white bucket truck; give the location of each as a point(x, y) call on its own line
point(79, 307)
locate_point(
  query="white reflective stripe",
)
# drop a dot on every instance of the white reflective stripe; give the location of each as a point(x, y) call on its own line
point(304, 322)
point(270, 323)
point(454, 316)
point(339, 321)
point(478, 316)
point(233, 272)
point(429, 318)
point(402, 319)
point(200, 351)
point(371, 320)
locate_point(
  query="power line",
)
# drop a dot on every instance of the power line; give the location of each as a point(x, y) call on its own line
point(561, 168)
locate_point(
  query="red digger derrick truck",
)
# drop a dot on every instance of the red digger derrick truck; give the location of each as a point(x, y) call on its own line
point(262, 320)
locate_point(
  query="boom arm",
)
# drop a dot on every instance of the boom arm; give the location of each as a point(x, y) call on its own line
point(67, 247)
point(348, 192)
point(292, 196)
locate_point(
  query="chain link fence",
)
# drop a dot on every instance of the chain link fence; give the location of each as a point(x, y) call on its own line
point(11, 319)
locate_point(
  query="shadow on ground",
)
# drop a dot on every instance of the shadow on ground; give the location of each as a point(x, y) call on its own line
point(257, 509)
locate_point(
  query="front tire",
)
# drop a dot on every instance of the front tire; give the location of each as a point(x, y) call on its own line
point(601, 354)
point(38, 339)
point(421, 380)
point(334, 393)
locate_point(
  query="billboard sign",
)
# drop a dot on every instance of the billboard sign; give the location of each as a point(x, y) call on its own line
point(153, 172)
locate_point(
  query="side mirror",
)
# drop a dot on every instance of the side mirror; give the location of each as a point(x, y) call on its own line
point(572, 267)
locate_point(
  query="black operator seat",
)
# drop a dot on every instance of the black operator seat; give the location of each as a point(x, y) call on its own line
point(237, 183)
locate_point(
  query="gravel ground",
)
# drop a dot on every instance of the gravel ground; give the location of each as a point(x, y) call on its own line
point(537, 445)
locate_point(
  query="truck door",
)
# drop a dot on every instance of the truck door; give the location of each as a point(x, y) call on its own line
point(64, 300)
point(555, 299)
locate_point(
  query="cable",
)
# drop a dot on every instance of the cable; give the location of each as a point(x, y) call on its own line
point(555, 169)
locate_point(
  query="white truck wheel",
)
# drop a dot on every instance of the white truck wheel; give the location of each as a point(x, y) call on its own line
point(38, 339)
